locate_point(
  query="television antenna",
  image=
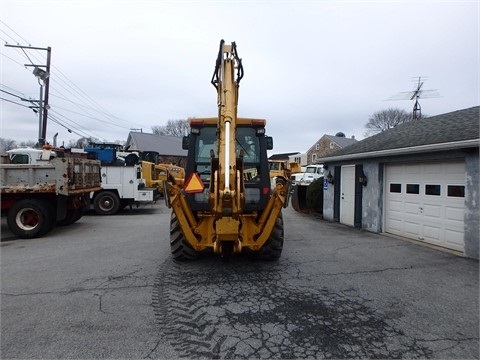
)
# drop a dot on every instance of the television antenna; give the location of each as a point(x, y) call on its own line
point(415, 95)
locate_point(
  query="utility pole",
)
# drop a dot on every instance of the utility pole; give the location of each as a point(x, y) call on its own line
point(47, 90)
point(40, 115)
point(44, 76)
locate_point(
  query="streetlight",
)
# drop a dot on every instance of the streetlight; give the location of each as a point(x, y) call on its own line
point(42, 75)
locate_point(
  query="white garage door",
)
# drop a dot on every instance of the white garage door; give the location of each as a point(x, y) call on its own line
point(426, 202)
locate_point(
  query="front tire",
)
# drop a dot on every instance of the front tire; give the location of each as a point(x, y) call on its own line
point(30, 218)
point(181, 250)
point(106, 203)
point(272, 249)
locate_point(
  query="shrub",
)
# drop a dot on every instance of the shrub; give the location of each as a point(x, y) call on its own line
point(315, 195)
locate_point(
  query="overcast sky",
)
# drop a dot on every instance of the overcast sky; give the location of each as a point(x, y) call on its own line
point(311, 67)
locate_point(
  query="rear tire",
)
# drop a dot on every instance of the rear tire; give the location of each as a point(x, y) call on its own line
point(272, 249)
point(180, 248)
point(30, 218)
point(72, 216)
point(106, 203)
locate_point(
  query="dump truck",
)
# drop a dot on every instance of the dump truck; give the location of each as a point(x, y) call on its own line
point(41, 188)
point(225, 204)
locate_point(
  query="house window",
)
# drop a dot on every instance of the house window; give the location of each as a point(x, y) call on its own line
point(456, 190)
point(395, 188)
point(413, 189)
point(332, 145)
point(314, 158)
point(432, 190)
point(297, 160)
point(317, 147)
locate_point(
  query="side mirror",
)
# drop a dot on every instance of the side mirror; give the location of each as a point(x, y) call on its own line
point(186, 142)
point(269, 142)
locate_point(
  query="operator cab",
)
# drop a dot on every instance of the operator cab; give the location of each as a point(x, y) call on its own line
point(251, 142)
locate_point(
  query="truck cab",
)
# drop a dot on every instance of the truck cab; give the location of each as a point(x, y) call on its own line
point(311, 173)
point(28, 155)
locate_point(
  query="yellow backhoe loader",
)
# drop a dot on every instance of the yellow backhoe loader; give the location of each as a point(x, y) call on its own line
point(156, 174)
point(282, 170)
point(226, 204)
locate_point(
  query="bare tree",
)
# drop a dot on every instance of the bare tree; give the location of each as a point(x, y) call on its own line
point(386, 119)
point(173, 128)
point(7, 144)
point(29, 143)
point(157, 130)
point(82, 142)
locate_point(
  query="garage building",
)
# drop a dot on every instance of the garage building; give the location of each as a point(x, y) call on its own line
point(419, 180)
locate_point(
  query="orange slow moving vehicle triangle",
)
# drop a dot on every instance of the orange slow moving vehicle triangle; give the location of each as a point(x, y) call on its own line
point(194, 184)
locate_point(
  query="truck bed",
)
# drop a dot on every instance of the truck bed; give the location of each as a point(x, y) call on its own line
point(62, 176)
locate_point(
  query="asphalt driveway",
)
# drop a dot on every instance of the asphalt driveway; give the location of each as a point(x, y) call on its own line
point(107, 287)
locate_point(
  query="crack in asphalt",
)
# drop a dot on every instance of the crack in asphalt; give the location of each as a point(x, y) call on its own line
point(368, 271)
point(152, 352)
point(456, 342)
point(66, 292)
point(104, 285)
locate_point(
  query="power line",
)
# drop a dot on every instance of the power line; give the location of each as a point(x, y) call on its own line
point(11, 89)
point(8, 57)
point(97, 107)
point(74, 95)
point(81, 95)
point(9, 93)
point(14, 102)
point(87, 106)
point(55, 120)
point(58, 107)
point(78, 93)
point(71, 122)
point(91, 117)
point(21, 98)
point(6, 35)
point(14, 31)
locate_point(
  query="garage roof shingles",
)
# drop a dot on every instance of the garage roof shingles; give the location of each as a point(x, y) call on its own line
point(446, 128)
